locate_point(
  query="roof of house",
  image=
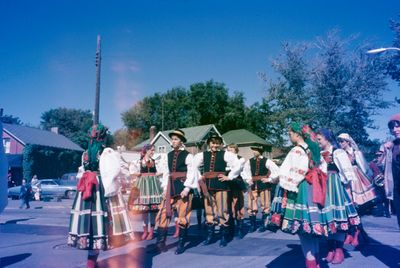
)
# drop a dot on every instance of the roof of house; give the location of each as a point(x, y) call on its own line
point(29, 135)
point(243, 136)
point(192, 134)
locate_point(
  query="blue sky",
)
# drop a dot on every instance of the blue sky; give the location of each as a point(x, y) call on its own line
point(47, 48)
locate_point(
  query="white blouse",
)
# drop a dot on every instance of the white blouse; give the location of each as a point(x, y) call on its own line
point(294, 168)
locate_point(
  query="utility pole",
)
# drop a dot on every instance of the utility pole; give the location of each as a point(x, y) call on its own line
point(98, 64)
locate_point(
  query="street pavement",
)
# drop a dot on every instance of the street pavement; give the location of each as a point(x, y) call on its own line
point(36, 237)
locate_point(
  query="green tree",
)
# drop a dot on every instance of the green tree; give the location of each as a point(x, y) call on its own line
point(9, 119)
point(347, 87)
point(72, 123)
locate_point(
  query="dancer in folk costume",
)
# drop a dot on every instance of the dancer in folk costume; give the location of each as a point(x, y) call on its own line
point(147, 174)
point(262, 175)
point(392, 164)
point(299, 197)
point(215, 187)
point(98, 220)
point(361, 190)
point(178, 191)
point(339, 211)
point(238, 188)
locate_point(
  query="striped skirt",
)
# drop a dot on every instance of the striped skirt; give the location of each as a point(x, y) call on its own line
point(362, 190)
point(296, 213)
point(339, 211)
point(150, 194)
point(98, 223)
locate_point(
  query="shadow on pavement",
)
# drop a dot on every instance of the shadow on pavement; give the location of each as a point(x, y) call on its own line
point(33, 229)
point(17, 220)
point(5, 261)
point(292, 258)
point(388, 255)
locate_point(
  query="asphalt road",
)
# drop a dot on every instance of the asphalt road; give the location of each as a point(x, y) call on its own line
point(36, 237)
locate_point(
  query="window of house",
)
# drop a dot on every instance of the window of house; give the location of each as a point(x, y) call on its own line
point(162, 149)
point(7, 145)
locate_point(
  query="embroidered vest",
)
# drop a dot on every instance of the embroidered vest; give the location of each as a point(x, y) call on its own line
point(215, 162)
point(258, 168)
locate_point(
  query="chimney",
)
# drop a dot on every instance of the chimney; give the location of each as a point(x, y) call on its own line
point(152, 132)
point(54, 130)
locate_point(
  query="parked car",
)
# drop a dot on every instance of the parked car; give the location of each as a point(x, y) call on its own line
point(69, 176)
point(13, 192)
point(48, 188)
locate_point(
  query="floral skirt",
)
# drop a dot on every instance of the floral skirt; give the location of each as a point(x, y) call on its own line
point(295, 213)
point(150, 194)
point(99, 222)
point(339, 211)
point(361, 191)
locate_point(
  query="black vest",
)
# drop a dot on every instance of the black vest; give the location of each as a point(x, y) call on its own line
point(259, 169)
point(331, 164)
point(176, 163)
point(218, 164)
point(148, 169)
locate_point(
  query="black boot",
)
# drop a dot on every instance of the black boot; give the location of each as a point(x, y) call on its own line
point(182, 239)
point(253, 226)
point(210, 234)
point(224, 238)
point(262, 227)
point(232, 227)
point(240, 233)
point(161, 238)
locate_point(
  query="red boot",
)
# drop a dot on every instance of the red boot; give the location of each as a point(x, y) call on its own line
point(91, 261)
point(339, 256)
point(176, 234)
point(348, 239)
point(355, 242)
point(311, 263)
point(329, 258)
point(145, 232)
point(150, 236)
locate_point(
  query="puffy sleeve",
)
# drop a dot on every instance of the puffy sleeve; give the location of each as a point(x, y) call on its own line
point(191, 175)
point(234, 163)
point(271, 166)
point(246, 173)
point(293, 169)
point(198, 161)
point(134, 167)
point(162, 167)
point(346, 170)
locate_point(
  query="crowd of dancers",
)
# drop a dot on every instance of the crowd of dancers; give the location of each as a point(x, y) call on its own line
point(316, 192)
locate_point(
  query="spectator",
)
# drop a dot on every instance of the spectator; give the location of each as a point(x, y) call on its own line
point(3, 174)
point(392, 164)
point(25, 194)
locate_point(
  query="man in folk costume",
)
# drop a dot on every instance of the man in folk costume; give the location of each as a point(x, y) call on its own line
point(238, 187)
point(261, 174)
point(215, 187)
point(392, 164)
point(98, 215)
point(178, 191)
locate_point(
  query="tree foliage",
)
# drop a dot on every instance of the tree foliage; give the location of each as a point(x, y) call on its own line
point(72, 123)
point(201, 104)
point(48, 162)
point(9, 119)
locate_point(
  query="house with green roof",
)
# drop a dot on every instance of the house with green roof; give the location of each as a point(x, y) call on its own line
point(196, 139)
point(245, 139)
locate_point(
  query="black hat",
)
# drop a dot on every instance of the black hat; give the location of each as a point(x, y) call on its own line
point(258, 148)
point(214, 135)
point(179, 133)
